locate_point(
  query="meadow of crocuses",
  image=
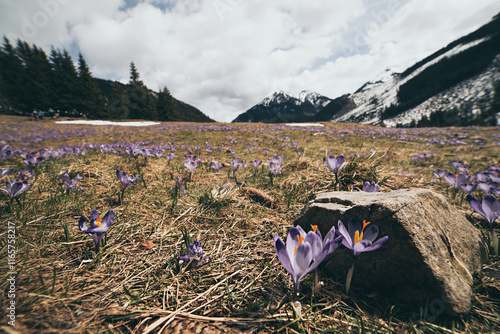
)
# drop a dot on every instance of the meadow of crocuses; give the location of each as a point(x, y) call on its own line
point(136, 229)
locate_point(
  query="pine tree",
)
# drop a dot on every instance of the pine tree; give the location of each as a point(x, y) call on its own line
point(167, 107)
point(119, 102)
point(141, 103)
point(65, 81)
point(38, 71)
point(13, 76)
point(93, 102)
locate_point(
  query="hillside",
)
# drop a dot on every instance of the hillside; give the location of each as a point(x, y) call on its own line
point(456, 85)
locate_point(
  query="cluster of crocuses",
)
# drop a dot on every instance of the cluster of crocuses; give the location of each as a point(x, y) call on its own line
point(304, 252)
point(486, 181)
point(15, 187)
point(422, 156)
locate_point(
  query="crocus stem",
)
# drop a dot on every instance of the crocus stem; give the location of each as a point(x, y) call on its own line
point(336, 182)
point(316, 287)
point(349, 277)
point(295, 292)
point(494, 240)
point(316, 279)
point(121, 196)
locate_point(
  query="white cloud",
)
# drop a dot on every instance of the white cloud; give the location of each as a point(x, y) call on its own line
point(223, 56)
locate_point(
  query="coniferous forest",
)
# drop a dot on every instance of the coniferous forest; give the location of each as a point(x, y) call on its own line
point(32, 80)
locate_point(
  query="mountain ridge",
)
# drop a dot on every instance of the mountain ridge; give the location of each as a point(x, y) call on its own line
point(458, 84)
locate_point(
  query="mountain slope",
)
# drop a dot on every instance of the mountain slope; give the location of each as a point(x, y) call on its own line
point(458, 81)
point(456, 85)
point(280, 107)
point(174, 110)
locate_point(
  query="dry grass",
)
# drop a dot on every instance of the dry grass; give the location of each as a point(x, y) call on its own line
point(63, 287)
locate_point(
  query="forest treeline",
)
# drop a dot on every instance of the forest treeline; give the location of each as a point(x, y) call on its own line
point(30, 79)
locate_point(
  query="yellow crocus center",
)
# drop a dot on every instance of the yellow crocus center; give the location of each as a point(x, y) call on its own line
point(314, 227)
point(358, 236)
point(128, 172)
point(300, 238)
point(98, 221)
point(335, 156)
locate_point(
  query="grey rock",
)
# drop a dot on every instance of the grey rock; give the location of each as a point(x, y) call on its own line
point(432, 252)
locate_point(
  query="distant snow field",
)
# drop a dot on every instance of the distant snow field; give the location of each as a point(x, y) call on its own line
point(304, 124)
point(109, 123)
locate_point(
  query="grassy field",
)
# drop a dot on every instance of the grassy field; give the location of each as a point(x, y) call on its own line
point(135, 283)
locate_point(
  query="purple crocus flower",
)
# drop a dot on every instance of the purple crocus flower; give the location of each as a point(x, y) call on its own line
point(215, 165)
point(237, 162)
point(170, 156)
point(457, 179)
point(6, 153)
point(469, 187)
point(195, 255)
point(487, 187)
point(4, 173)
point(334, 162)
point(98, 226)
point(371, 187)
point(126, 178)
point(191, 163)
point(280, 160)
point(275, 167)
point(179, 186)
point(440, 173)
point(359, 240)
point(72, 185)
point(489, 208)
point(14, 188)
point(24, 175)
point(256, 163)
point(456, 164)
point(33, 159)
point(304, 252)
point(485, 176)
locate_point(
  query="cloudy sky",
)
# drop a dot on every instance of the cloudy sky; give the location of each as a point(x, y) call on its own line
point(224, 56)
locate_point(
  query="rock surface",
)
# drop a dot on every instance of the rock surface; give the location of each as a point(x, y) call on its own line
point(432, 252)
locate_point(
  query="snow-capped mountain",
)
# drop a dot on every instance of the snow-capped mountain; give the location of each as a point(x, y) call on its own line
point(457, 85)
point(280, 107)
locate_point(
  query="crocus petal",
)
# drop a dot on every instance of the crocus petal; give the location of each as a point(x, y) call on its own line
point(108, 218)
point(354, 225)
point(452, 179)
point(377, 244)
point(346, 241)
point(330, 235)
point(474, 203)
point(303, 259)
point(77, 179)
point(94, 214)
point(66, 178)
point(282, 253)
point(291, 239)
point(490, 207)
point(81, 224)
point(370, 233)
point(316, 243)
